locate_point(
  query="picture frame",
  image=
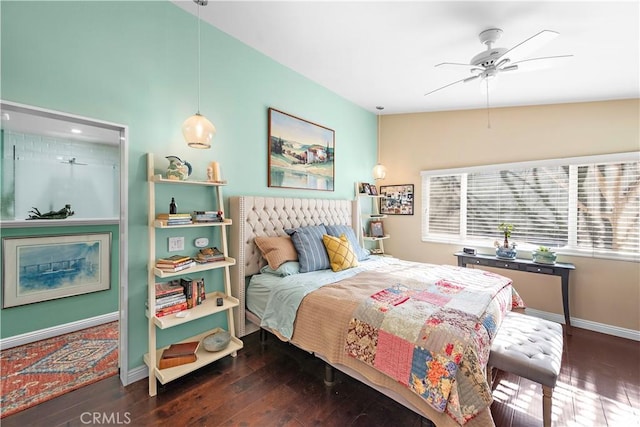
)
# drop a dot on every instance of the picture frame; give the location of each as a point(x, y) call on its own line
point(363, 188)
point(301, 153)
point(376, 229)
point(397, 199)
point(43, 268)
point(373, 190)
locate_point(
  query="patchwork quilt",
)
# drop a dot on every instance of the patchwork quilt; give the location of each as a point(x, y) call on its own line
point(430, 329)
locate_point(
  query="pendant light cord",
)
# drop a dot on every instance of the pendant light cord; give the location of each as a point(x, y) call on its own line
point(198, 57)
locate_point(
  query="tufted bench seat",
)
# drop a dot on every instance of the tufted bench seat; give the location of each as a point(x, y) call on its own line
point(530, 348)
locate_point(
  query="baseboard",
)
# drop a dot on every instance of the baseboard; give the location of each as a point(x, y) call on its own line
point(54, 331)
point(588, 325)
point(137, 374)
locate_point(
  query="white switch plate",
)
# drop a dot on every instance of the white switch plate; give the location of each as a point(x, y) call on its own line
point(176, 244)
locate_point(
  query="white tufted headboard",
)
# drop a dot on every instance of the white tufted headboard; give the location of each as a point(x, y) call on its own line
point(270, 216)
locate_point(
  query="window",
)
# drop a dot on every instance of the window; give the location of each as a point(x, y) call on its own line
point(584, 205)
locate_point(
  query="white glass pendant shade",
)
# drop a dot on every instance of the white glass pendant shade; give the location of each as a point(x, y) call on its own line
point(379, 171)
point(198, 131)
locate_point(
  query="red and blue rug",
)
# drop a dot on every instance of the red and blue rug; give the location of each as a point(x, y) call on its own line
point(34, 373)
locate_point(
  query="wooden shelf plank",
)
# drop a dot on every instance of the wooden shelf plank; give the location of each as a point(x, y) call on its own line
point(196, 268)
point(204, 357)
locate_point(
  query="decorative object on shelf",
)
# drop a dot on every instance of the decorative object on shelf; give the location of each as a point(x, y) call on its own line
point(505, 250)
point(301, 153)
point(379, 171)
point(396, 199)
point(173, 208)
point(376, 229)
point(37, 269)
point(364, 188)
point(63, 213)
point(544, 255)
point(197, 130)
point(178, 169)
point(217, 341)
point(373, 190)
point(213, 172)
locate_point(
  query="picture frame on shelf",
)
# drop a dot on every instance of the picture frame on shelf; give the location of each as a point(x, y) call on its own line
point(376, 229)
point(43, 268)
point(373, 190)
point(396, 199)
point(363, 188)
point(301, 153)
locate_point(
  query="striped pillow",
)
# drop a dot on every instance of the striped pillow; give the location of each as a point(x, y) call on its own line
point(312, 255)
point(338, 229)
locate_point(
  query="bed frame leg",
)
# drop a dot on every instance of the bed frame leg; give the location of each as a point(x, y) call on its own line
point(263, 336)
point(329, 375)
point(427, 422)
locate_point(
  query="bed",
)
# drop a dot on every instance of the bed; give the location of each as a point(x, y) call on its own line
point(333, 312)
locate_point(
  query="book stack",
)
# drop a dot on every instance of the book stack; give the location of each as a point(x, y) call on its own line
point(175, 263)
point(170, 298)
point(207, 216)
point(179, 354)
point(194, 291)
point(174, 219)
point(206, 255)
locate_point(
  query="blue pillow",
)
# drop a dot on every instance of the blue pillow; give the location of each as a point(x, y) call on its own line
point(312, 254)
point(286, 269)
point(337, 230)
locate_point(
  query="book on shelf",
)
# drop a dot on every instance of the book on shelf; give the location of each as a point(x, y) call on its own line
point(162, 303)
point(174, 269)
point(194, 291)
point(173, 259)
point(207, 216)
point(168, 288)
point(212, 254)
point(173, 216)
point(179, 354)
point(171, 310)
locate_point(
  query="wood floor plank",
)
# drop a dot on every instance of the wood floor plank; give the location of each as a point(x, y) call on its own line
point(274, 383)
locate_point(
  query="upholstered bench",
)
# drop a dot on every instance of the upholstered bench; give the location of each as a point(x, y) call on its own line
point(530, 348)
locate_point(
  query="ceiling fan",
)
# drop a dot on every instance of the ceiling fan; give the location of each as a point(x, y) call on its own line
point(496, 60)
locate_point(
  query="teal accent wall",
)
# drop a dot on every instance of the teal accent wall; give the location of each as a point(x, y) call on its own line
point(32, 317)
point(135, 63)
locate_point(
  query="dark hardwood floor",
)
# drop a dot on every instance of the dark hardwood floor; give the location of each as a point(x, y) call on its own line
point(276, 384)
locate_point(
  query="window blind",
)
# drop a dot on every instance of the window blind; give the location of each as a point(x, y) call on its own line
point(588, 204)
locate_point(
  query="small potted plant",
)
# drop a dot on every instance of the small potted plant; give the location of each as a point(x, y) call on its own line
point(544, 255)
point(506, 250)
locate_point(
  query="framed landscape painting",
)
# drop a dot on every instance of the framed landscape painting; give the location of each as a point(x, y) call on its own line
point(301, 153)
point(39, 269)
point(396, 199)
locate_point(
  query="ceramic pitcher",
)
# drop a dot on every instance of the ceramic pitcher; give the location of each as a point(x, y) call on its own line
point(178, 169)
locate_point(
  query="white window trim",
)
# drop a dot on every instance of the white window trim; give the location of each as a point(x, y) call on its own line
point(571, 249)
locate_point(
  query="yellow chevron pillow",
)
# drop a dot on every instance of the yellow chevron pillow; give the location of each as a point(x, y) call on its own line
point(340, 251)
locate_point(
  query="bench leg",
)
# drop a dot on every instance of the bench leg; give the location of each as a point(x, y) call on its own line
point(546, 405)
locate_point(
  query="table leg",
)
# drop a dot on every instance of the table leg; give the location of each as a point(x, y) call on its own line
point(565, 300)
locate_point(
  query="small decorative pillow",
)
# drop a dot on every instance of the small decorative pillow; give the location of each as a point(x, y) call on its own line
point(276, 250)
point(286, 269)
point(341, 254)
point(308, 243)
point(338, 229)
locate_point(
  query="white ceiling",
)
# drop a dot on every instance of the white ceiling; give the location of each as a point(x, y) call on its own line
point(384, 52)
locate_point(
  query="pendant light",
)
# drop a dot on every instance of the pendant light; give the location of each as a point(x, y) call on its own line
point(197, 130)
point(379, 171)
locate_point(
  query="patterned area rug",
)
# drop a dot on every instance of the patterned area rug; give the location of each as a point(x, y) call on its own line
point(37, 372)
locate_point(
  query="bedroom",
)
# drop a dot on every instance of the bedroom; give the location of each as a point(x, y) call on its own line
point(134, 63)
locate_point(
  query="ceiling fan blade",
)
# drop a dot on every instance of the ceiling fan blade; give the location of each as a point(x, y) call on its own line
point(457, 64)
point(539, 63)
point(525, 48)
point(451, 84)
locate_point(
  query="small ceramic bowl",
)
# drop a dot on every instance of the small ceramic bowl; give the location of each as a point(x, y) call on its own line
point(217, 341)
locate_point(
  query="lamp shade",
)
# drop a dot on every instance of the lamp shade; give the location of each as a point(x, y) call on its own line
point(379, 171)
point(198, 131)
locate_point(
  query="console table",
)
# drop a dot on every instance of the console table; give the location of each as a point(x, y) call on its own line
point(558, 269)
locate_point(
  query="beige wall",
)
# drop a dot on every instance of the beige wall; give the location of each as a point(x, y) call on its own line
point(601, 291)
